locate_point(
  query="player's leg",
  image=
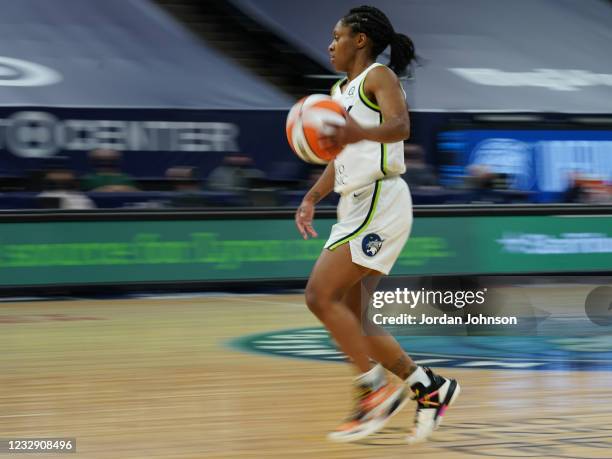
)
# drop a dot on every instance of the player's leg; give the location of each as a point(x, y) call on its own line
point(433, 393)
point(383, 348)
point(332, 276)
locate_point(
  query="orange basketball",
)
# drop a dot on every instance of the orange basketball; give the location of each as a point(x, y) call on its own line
point(310, 118)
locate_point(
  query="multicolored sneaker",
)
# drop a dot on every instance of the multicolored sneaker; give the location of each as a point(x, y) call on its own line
point(432, 403)
point(373, 409)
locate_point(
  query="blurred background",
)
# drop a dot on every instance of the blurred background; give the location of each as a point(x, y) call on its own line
point(182, 103)
point(137, 135)
point(144, 168)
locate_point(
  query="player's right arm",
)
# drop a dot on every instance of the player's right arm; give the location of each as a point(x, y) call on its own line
point(305, 212)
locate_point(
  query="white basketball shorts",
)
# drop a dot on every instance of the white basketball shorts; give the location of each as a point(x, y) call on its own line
point(375, 220)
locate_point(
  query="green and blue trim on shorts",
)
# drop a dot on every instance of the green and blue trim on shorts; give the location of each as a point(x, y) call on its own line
point(361, 228)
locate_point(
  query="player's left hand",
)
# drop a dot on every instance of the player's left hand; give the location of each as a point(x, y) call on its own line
point(351, 132)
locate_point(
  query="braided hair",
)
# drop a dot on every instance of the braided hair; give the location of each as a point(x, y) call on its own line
point(376, 25)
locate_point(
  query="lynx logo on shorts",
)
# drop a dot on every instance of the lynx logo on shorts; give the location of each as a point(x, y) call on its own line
point(371, 244)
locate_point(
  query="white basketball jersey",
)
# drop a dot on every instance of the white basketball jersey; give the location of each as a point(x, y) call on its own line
point(362, 163)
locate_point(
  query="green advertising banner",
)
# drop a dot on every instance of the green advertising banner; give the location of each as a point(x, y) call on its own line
point(86, 252)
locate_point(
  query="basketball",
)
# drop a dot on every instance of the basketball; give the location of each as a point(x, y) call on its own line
point(309, 119)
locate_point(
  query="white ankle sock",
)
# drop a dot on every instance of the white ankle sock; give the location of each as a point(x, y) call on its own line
point(374, 378)
point(418, 376)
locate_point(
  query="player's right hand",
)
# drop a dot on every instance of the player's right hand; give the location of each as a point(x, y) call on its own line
point(303, 219)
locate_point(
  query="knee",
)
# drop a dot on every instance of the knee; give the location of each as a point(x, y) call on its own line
point(317, 300)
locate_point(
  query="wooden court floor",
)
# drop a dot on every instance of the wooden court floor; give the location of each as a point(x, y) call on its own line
point(156, 378)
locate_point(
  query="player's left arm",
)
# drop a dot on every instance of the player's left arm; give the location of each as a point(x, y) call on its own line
point(383, 87)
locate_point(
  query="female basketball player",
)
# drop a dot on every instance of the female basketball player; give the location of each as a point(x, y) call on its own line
point(375, 217)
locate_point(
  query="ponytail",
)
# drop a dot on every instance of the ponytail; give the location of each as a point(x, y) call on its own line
point(402, 53)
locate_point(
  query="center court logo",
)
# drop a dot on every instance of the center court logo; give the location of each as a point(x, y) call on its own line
point(17, 72)
point(480, 352)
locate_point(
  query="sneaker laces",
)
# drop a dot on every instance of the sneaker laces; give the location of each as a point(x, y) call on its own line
point(424, 401)
point(423, 397)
